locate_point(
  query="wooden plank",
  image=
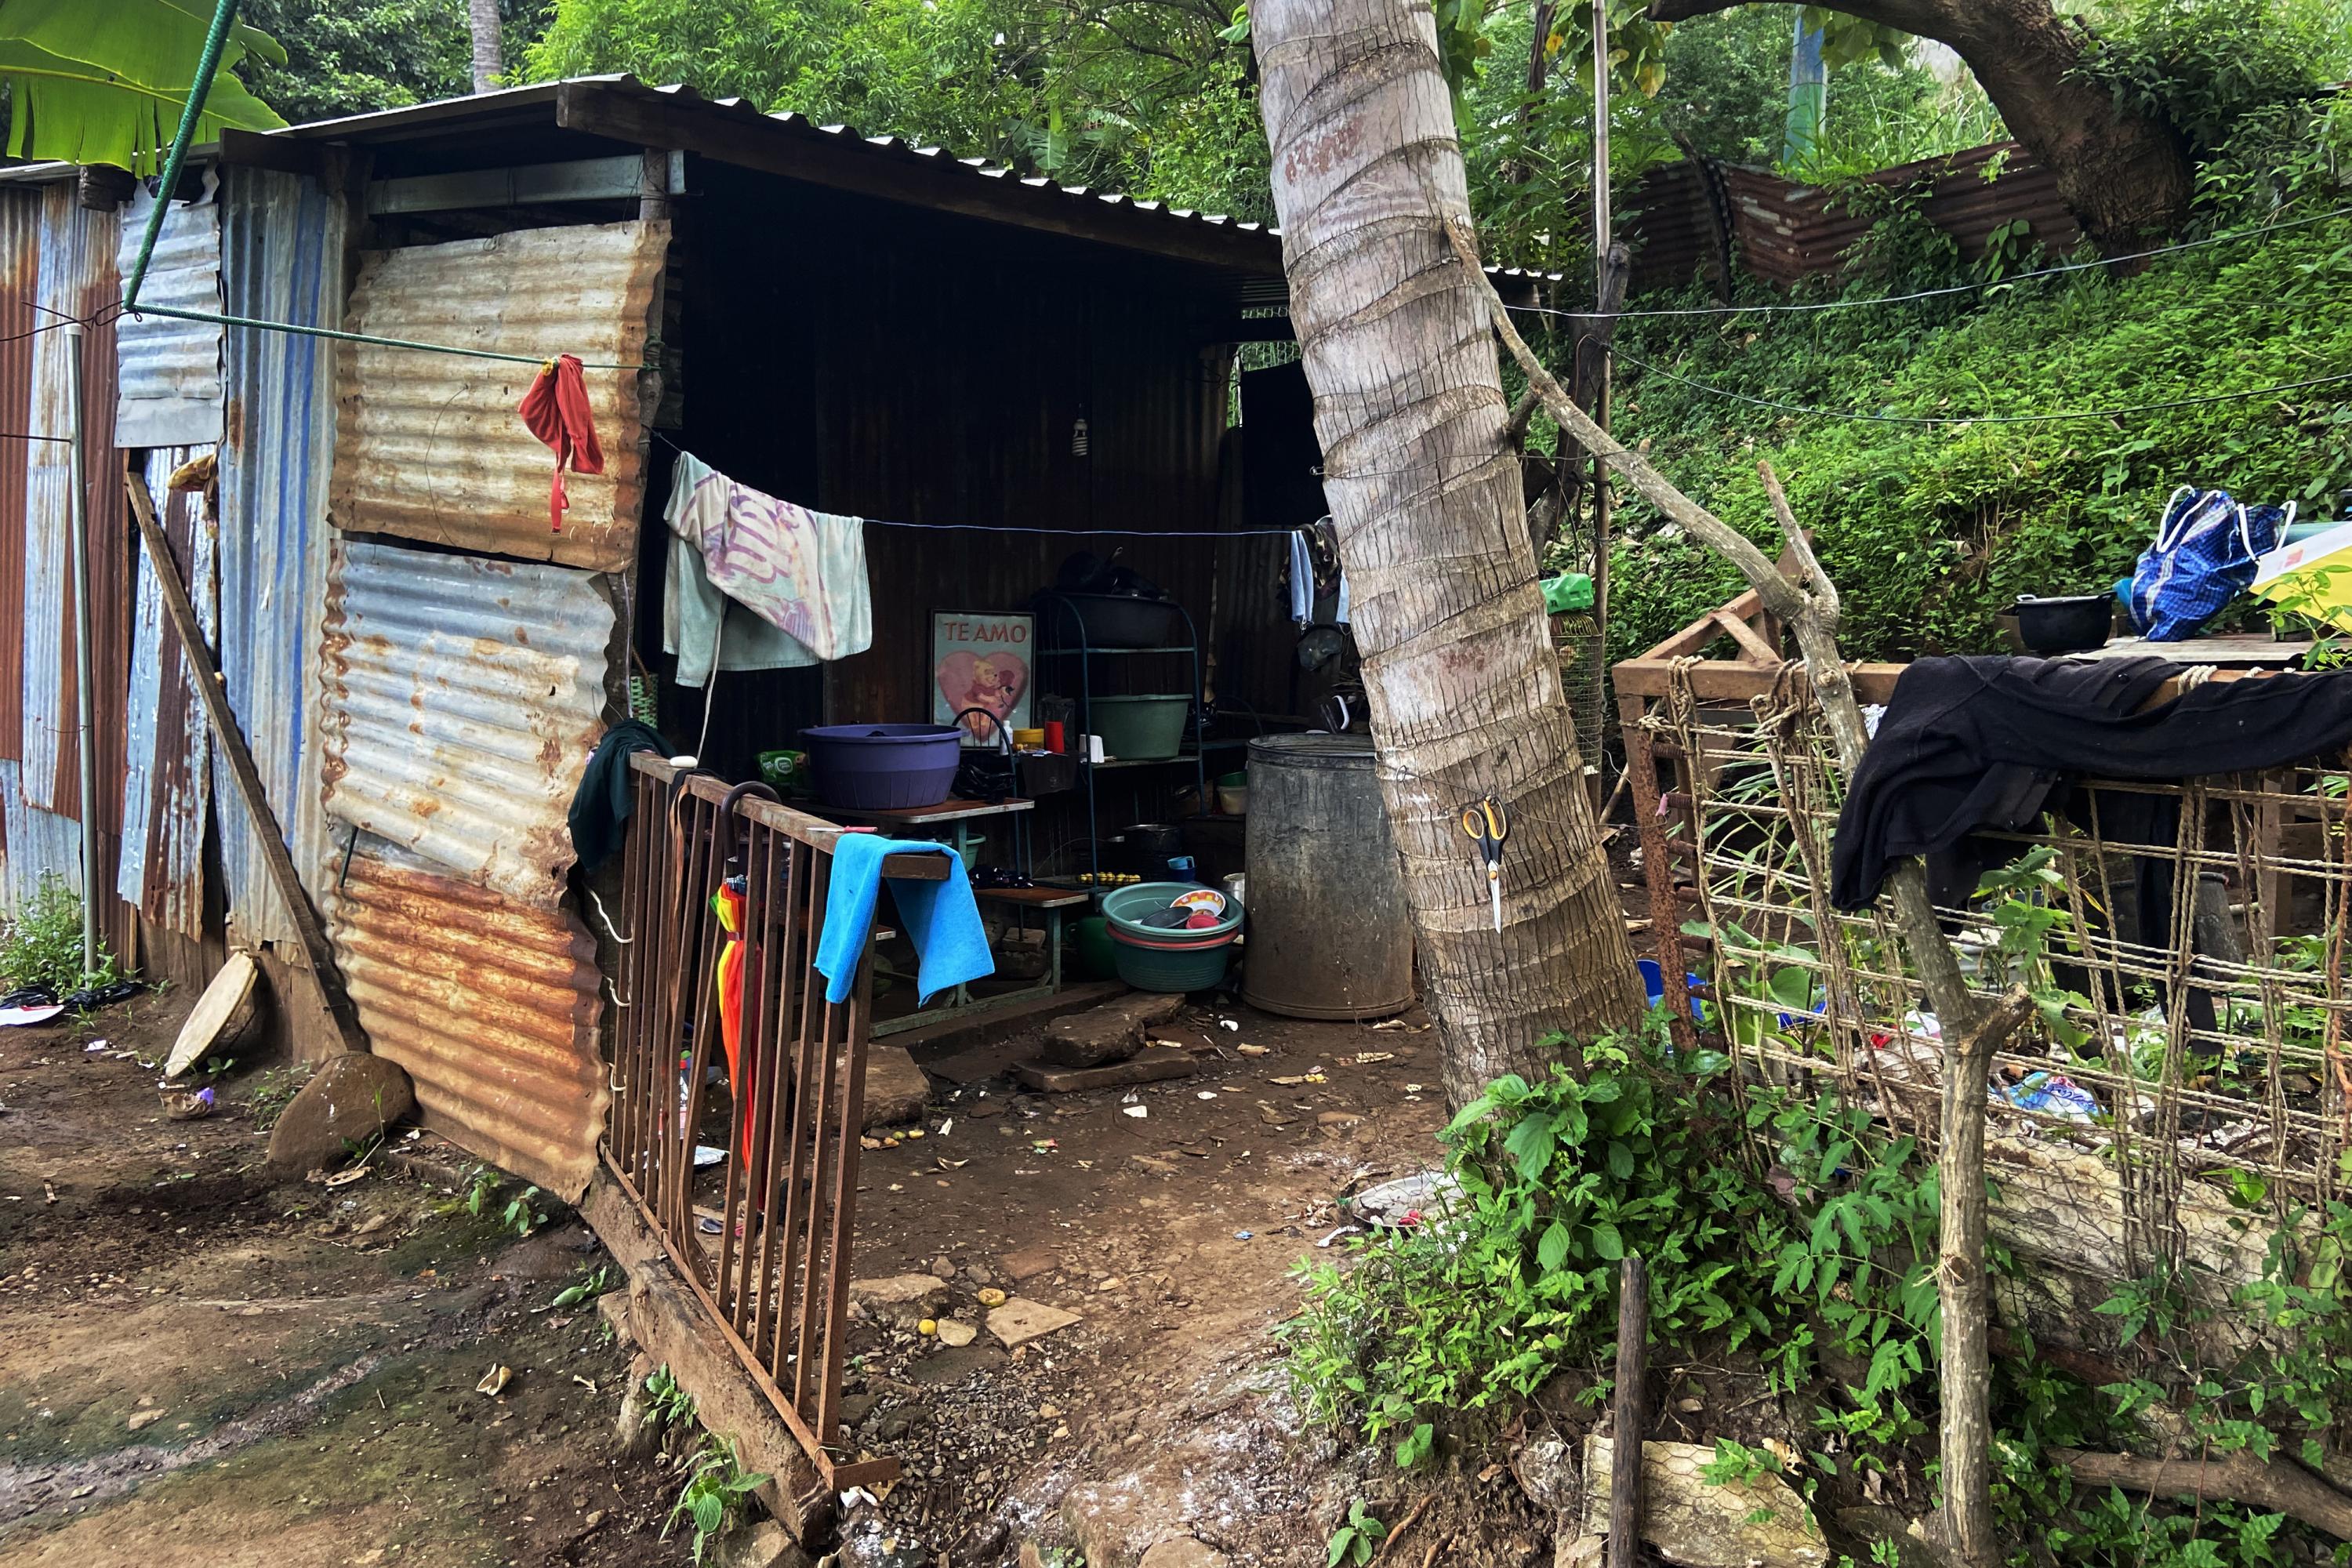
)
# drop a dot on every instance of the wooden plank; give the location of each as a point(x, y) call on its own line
point(1033, 897)
point(197, 657)
point(950, 810)
point(1749, 639)
point(1156, 1065)
point(625, 112)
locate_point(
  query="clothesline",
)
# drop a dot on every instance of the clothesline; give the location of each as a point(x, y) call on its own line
point(1020, 528)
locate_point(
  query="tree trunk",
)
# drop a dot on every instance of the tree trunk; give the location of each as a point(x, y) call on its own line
point(2124, 174)
point(488, 53)
point(1465, 690)
point(1966, 1369)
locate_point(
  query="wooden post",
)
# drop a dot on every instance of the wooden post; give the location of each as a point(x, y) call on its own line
point(1961, 1283)
point(206, 676)
point(1626, 1446)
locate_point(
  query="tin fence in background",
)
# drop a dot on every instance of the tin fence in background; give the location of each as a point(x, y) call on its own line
point(763, 1236)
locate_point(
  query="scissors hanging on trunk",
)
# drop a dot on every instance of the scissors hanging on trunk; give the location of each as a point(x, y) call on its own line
point(1488, 822)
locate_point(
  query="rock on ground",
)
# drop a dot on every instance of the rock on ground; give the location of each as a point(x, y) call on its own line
point(1110, 1032)
point(902, 1299)
point(352, 1098)
point(1695, 1522)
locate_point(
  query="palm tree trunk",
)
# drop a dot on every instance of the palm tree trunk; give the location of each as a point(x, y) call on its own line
point(488, 57)
point(1465, 693)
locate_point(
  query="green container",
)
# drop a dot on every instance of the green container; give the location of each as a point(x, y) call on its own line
point(1171, 970)
point(1141, 728)
point(1096, 956)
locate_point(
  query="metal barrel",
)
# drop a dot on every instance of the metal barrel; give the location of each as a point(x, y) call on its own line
point(1327, 933)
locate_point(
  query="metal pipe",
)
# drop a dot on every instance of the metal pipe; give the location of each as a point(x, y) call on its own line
point(1600, 239)
point(77, 526)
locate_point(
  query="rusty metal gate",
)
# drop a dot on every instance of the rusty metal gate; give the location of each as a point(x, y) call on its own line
point(763, 1234)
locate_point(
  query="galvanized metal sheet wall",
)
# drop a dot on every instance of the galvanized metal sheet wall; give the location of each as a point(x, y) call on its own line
point(39, 843)
point(168, 759)
point(430, 446)
point(20, 272)
point(168, 391)
point(283, 254)
point(75, 278)
point(462, 698)
point(490, 1004)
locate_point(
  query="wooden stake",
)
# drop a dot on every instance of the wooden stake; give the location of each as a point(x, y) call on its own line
point(1961, 1283)
point(205, 674)
point(1625, 1445)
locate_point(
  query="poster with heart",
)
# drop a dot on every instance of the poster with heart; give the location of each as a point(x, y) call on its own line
point(979, 659)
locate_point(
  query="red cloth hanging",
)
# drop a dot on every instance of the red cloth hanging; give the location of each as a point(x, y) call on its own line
point(555, 410)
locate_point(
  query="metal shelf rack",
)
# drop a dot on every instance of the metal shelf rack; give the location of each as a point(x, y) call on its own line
point(1066, 616)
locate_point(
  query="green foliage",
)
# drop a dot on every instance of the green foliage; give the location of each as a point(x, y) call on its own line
point(1931, 531)
point(344, 58)
point(2202, 66)
point(1151, 97)
point(1561, 1180)
point(105, 81)
point(1353, 1541)
point(40, 944)
point(714, 1489)
point(667, 1405)
point(587, 1289)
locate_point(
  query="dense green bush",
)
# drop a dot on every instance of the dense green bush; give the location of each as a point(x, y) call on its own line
point(1931, 529)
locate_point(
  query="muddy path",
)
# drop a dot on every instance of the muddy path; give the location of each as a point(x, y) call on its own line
point(197, 1367)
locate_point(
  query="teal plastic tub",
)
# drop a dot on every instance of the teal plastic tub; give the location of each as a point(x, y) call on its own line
point(1171, 967)
point(1141, 728)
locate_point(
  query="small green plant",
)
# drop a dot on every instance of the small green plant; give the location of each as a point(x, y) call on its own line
point(587, 1289)
point(1735, 1463)
point(667, 1405)
point(1353, 1541)
point(273, 1091)
point(481, 1189)
point(519, 1216)
point(40, 943)
point(714, 1489)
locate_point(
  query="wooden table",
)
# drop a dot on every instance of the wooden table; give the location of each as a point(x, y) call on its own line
point(959, 817)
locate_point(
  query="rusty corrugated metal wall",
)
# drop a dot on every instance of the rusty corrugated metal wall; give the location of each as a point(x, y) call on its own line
point(283, 261)
point(61, 256)
point(429, 446)
point(461, 703)
point(1785, 232)
point(167, 772)
point(461, 700)
point(170, 369)
point(490, 1004)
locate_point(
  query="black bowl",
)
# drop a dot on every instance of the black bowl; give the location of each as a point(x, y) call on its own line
point(2073, 624)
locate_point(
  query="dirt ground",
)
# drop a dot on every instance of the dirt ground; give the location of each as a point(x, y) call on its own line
point(1175, 1233)
point(196, 1368)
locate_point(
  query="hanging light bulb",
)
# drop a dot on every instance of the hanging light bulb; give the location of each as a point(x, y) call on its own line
point(1078, 437)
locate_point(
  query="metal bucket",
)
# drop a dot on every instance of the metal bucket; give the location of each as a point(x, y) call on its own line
point(1328, 935)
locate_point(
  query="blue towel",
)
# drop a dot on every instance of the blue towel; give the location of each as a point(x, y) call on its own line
point(942, 919)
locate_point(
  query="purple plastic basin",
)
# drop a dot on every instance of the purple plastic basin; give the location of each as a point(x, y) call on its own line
point(879, 767)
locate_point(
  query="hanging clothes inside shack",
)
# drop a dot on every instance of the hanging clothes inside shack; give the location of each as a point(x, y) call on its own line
point(1316, 573)
point(727, 903)
point(555, 409)
point(801, 574)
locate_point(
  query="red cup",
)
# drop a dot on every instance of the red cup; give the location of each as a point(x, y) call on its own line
point(1054, 735)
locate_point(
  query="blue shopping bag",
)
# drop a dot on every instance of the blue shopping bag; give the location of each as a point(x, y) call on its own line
point(2203, 557)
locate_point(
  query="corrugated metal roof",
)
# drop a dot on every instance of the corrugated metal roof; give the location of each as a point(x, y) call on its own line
point(430, 446)
point(168, 755)
point(973, 185)
point(489, 1004)
point(168, 385)
point(462, 700)
point(284, 262)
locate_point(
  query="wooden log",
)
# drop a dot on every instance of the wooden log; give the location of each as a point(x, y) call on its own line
point(197, 655)
point(2278, 1485)
point(1625, 1453)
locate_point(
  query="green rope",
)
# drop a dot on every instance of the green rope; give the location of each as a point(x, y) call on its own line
point(370, 339)
point(215, 40)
